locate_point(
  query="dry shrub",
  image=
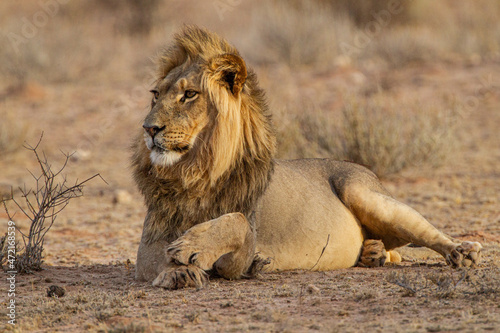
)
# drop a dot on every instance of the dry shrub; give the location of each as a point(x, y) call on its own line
point(407, 45)
point(133, 17)
point(298, 33)
point(362, 12)
point(462, 27)
point(460, 283)
point(318, 33)
point(388, 138)
point(52, 56)
point(77, 41)
point(40, 205)
point(441, 31)
point(384, 136)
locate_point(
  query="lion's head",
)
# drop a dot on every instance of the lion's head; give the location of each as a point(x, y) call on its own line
point(208, 129)
point(203, 105)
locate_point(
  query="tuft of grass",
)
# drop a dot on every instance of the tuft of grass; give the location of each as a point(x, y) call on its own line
point(379, 133)
point(388, 138)
point(133, 17)
point(299, 33)
point(130, 328)
point(362, 12)
point(461, 283)
point(408, 46)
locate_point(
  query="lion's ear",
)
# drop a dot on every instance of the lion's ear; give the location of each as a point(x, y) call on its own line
point(229, 70)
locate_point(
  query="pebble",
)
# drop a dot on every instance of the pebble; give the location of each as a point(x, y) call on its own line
point(122, 197)
point(312, 289)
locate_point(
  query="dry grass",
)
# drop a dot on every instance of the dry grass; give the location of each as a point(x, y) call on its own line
point(322, 33)
point(44, 52)
point(318, 34)
point(447, 284)
point(41, 58)
point(111, 301)
point(385, 135)
point(388, 137)
point(299, 33)
point(101, 305)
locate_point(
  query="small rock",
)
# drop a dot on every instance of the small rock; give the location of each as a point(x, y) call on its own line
point(312, 289)
point(122, 197)
point(55, 291)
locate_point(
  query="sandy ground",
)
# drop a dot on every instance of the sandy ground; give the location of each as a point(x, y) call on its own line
point(91, 249)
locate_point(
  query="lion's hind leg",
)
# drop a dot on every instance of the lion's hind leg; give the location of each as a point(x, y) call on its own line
point(397, 224)
point(225, 244)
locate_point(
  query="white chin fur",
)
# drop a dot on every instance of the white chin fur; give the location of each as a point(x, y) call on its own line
point(149, 141)
point(167, 158)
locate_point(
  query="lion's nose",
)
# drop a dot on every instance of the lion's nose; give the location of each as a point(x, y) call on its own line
point(152, 130)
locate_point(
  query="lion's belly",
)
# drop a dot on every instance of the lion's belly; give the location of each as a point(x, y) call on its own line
point(300, 215)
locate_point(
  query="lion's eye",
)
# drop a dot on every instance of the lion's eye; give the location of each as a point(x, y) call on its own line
point(189, 93)
point(156, 94)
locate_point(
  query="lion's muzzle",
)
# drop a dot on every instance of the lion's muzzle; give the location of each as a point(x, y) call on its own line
point(152, 130)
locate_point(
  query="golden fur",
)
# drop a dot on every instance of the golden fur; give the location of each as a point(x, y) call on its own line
point(237, 146)
point(217, 201)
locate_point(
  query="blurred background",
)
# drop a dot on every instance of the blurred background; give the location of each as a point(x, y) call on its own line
point(80, 71)
point(392, 84)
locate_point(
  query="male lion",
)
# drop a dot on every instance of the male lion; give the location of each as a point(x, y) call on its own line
point(218, 203)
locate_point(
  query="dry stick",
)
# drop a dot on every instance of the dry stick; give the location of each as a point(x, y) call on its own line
point(322, 251)
point(405, 286)
point(48, 196)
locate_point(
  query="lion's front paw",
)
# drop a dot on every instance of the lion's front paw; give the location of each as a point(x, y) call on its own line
point(466, 254)
point(373, 254)
point(191, 249)
point(177, 277)
point(257, 266)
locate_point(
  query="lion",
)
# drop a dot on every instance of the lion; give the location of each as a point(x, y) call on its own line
point(220, 204)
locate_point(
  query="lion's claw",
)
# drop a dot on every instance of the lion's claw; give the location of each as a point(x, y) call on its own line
point(467, 254)
point(177, 277)
point(192, 258)
point(187, 250)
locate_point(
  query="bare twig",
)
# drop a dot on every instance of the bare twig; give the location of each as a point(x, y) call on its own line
point(43, 204)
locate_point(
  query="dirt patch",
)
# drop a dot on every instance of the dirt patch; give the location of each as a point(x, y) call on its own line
point(409, 297)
